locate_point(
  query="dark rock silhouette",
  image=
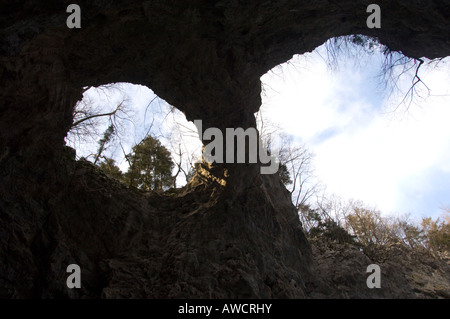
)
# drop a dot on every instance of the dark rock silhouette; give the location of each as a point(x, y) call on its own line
point(231, 233)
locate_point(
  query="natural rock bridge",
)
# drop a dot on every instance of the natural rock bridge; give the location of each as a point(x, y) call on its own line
point(232, 232)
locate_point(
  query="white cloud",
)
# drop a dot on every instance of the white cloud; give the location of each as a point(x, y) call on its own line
point(363, 151)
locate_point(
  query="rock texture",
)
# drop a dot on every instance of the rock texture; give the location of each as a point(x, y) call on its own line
point(231, 232)
point(200, 241)
point(405, 273)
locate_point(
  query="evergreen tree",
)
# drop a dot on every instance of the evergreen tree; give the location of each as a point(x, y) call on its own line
point(111, 169)
point(150, 165)
point(284, 174)
point(107, 136)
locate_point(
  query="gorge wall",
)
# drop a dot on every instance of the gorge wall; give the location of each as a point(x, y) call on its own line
point(231, 232)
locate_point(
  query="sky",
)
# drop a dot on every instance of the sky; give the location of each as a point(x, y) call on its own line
point(144, 113)
point(367, 145)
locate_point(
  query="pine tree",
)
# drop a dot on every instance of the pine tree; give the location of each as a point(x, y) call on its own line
point(107, 136)
point(150, 165)
point(111, 169)
point(283, 172)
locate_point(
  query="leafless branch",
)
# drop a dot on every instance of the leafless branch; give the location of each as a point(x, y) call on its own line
point(89, 117)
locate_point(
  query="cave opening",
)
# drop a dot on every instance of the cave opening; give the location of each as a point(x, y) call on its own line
point(113, 119)
point(361, 123)
point(345, 109)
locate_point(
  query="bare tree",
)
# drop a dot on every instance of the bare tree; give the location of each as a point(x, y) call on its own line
point(335, 207)
point(297, 160)
point(82, 115)
point(395, 66)
point(98, 109)
point(88, 120)
point(182, 141)
point(182, 149)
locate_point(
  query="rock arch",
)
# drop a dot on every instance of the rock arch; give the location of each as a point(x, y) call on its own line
point(204, 58)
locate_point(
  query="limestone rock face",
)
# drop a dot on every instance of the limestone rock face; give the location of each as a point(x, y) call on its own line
point(404, 273)
point(237, 238)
